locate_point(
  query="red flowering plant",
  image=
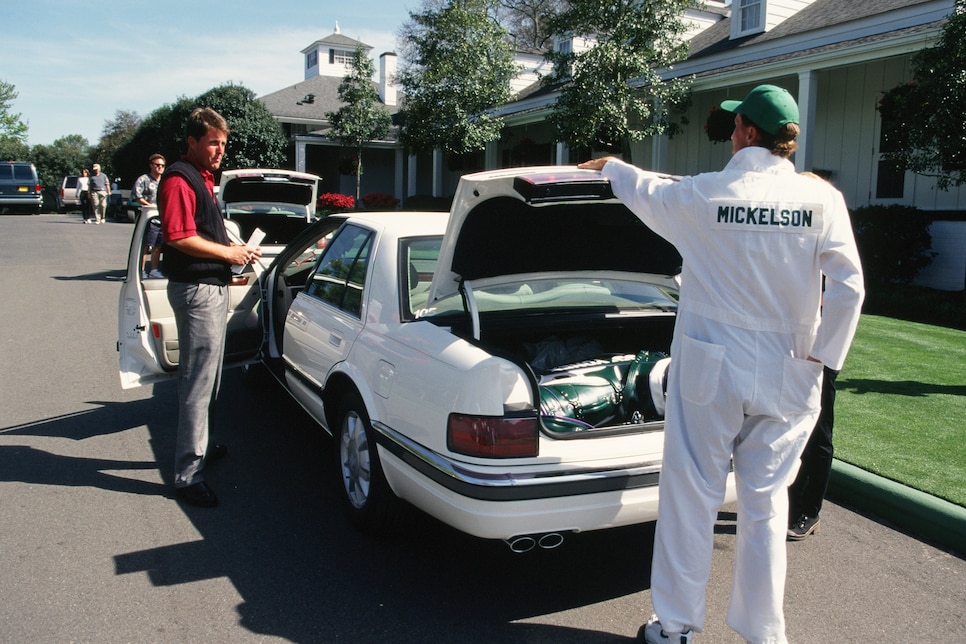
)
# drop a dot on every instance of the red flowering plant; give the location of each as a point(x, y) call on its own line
point(330, 202)
point(379, 201)
point(719, 125)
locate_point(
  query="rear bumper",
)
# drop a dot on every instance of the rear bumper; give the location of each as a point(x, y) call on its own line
point(504, 504)
point(26, 203)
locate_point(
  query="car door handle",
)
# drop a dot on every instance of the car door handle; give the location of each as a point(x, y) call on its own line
point(335, 340)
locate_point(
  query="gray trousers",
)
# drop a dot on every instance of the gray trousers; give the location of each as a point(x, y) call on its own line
point(99, 205)
point(201, 314)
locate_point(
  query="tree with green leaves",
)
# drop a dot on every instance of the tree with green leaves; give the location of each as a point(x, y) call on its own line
point(67, 155)
point(114, 135)
point(528, 21)
point(362, 118)
point(924, 122)
point(256, 138)
point(13, 131)
point(612, 91)
point(458, 66)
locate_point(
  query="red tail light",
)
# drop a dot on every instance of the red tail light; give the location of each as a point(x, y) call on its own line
point(492, 436)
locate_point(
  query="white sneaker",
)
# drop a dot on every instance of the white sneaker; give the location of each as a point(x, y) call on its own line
point(156, 275)
point(652, 633)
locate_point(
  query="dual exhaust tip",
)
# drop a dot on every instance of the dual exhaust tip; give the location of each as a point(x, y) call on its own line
point(527, 542)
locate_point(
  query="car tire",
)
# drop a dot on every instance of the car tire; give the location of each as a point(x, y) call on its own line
point(370, 504)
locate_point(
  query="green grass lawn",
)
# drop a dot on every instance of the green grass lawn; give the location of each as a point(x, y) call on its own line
point(901, 406)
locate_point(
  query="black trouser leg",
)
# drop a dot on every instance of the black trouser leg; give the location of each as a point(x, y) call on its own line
point(806, 494)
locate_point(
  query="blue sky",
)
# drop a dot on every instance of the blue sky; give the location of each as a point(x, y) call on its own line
point(74, 64)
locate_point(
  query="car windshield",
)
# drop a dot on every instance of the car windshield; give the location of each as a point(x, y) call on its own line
point(571, 293)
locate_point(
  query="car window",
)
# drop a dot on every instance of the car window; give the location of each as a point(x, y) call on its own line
point(417, 258)
point(341, 272)
point(577, 293)
point(23, 173)
point(6, 173)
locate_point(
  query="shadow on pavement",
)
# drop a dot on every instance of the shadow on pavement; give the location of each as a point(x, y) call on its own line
point(304, 574)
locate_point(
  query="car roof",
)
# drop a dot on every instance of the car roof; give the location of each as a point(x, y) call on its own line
point(402, 223)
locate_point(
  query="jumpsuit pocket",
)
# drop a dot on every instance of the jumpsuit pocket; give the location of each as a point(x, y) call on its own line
point(700, 369)
point(801, 386)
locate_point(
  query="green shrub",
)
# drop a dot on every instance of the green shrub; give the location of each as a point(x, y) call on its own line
point(917, 304)
point(893, 241)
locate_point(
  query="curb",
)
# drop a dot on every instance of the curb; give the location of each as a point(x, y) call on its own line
point(918, 513)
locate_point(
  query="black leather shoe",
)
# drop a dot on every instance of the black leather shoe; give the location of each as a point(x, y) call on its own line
point(216, 452)
point(198, 494)
point(802, 527)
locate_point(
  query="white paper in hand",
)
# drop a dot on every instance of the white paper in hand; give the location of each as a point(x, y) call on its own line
point(257, 236)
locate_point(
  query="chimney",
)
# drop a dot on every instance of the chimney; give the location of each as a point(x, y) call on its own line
point(387, 78)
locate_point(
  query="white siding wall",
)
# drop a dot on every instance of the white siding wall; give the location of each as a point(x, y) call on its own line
point(779, 10)
point(844, 143)
point(846, 124)
point(847, 137)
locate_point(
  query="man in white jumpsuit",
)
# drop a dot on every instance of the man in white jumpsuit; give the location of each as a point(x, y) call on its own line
point(749, 345)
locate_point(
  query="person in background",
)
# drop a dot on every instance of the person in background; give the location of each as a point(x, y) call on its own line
point(98, 190)
point(806, 494)
point(84, 202)
point(198, 256)
point(145, 193)
point(748, 351)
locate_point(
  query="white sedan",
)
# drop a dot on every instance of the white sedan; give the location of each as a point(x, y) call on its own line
point(501, 367)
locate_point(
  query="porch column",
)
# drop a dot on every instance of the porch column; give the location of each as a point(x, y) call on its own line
point(399, 173)
point(562, 151)
point(490, 158)
point(437, 173)
point(807, 99)
point(299, 155)
point(411, 179)
point(659, 152)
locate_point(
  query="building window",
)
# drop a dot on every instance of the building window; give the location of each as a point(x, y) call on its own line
point(312, 59)
point(750, 15)
point(341, 56)
point(890, 178)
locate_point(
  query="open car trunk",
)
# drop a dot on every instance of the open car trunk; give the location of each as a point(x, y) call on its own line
point(557, 275)
point(592, 374)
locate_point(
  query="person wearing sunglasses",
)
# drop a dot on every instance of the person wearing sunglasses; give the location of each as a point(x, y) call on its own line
point(145, 194)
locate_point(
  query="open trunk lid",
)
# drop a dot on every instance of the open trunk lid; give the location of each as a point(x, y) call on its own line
point(505, 223)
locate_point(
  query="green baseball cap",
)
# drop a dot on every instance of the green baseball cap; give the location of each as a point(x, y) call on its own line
point(769, 106)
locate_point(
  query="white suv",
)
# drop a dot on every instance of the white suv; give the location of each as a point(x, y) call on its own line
point(71, 195)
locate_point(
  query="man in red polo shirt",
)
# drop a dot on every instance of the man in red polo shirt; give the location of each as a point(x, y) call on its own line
point(198, 256)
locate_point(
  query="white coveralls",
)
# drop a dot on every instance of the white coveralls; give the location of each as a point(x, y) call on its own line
point(755, 239)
